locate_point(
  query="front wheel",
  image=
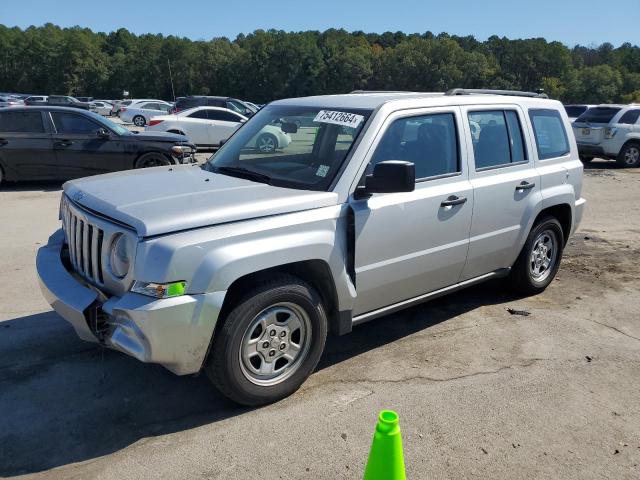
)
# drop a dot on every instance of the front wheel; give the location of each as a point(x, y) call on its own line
point(629, 156)
point(139, 121)
point(269, 343)
point(152, 159)
point(540, 257)
point(267, 143)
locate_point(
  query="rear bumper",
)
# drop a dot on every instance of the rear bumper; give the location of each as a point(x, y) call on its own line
point(578, 212)
point(591, 150)
point(174, 332)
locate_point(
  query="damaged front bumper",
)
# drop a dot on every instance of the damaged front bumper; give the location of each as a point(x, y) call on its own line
point(173, 332)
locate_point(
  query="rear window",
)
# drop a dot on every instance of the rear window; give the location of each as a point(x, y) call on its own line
point(575, 110)
point(21, 122)
point(598, 115)
point(551, 137)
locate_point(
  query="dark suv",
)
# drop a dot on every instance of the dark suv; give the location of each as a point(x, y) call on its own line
point(57, 143)
point(233, 104)
point(58, 101)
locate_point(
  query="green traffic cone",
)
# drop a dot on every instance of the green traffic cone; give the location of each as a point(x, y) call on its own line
point(385, 458)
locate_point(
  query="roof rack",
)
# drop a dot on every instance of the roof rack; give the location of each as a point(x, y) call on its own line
point(379, 91)
point(512, 93)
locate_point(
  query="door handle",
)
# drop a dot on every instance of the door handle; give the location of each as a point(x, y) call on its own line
point(3, 141)
point(63, 143)
point(452, 201)
point(524, 185)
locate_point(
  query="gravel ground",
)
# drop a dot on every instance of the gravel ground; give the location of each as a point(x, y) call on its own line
point(481, 393)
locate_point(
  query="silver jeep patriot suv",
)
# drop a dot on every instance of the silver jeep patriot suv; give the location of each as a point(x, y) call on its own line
point(241, 266)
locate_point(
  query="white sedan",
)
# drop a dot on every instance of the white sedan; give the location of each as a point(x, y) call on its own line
point(210, 126)
point(139, 113)
point(101, 108)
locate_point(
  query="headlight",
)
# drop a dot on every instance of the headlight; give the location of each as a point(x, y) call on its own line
point(159, 290)
point(119, 258)
point(181, 149)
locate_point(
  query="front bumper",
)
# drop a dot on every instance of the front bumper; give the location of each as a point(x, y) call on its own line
point(591, 150)
point(173, 332)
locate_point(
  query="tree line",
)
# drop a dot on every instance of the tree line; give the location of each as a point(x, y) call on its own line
point(267, 65)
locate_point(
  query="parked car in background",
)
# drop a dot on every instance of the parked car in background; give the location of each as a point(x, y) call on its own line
point(610, 131)
point(209, 127)
point(241, 267)
point(35, 100)
point(59, 101)
point(232, 104)
point(574, 111)
point(85, 99)
point(101, 108)
point(58, 143)
point(10, 101)
point(140, 112)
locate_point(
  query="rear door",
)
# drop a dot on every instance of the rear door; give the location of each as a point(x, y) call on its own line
point(80, 151)
point(506, 186)
point(26, 146)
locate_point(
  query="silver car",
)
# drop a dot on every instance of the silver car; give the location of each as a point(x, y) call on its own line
point(241, 266)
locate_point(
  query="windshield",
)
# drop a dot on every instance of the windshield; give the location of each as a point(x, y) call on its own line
point(308, 157)
point(119, 129)
point(598, 115)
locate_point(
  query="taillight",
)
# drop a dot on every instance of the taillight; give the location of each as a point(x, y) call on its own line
point(155, 122)
point(610, 132)
point(123, 109)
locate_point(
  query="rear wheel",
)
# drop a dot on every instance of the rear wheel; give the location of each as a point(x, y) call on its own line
point(139, 121)
point(267, 143)
point(539, 260)
point(269, 343)
point(152, 159)
point(629, 155)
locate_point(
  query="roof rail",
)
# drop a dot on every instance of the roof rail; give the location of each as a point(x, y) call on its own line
point(379, 91)
point(513, 93)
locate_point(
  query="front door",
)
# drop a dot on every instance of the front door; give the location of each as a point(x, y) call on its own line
point(506, 187)
point(81, 152)
point(411, 243)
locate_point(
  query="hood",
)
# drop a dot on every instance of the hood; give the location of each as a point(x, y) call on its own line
point(161, 137)
point(162, 200)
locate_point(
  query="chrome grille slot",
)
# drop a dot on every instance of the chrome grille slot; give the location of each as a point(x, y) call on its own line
point(85, 242)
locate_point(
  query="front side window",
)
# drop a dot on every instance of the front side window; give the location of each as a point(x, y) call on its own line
point(548, 129)
point(199, 114)
point(497, 138)
point(223, 116)
point(68, 123)
point(21, 122)
point(630, 117)
point(430, 142)
point(306, 158)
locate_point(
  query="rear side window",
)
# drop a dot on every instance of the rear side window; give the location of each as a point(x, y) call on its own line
point(551, 137)
point(598, 115)
point(497, 138)
point(630, 117)
point(430, 142)
point(215, 102)
point(21, 122)
point(199, 114)
point(70, 123)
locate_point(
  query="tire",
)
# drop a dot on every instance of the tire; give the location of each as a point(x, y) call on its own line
point(152, 159)
point(586, 159)
point(248, 363)
point(267, 143)
point(139, 121)
point(529, 275)
point(629, 156)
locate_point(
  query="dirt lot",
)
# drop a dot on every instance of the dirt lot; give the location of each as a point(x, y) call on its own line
point(481, 393)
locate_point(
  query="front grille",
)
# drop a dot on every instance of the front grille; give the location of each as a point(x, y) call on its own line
point(85, 246)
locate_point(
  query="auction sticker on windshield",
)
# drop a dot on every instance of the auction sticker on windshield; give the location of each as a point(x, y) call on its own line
point(345, 119)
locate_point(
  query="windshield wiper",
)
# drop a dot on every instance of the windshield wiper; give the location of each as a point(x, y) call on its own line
point(243, 172)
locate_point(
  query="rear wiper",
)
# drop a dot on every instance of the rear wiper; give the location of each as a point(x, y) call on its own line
point(243, 172)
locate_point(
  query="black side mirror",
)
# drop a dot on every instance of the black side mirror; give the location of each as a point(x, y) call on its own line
point(103, 133)
point(390, 176)
point(289, 127)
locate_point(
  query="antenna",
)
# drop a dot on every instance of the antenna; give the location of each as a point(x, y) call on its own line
point(173, 92)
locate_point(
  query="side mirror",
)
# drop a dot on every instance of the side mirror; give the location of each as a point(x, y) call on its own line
point(103, 133)
point(289, 127)
point(390, 176)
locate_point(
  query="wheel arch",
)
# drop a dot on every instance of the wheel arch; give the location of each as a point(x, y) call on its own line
point(563, 213)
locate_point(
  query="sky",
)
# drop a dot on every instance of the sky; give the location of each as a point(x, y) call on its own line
point(584, 22)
